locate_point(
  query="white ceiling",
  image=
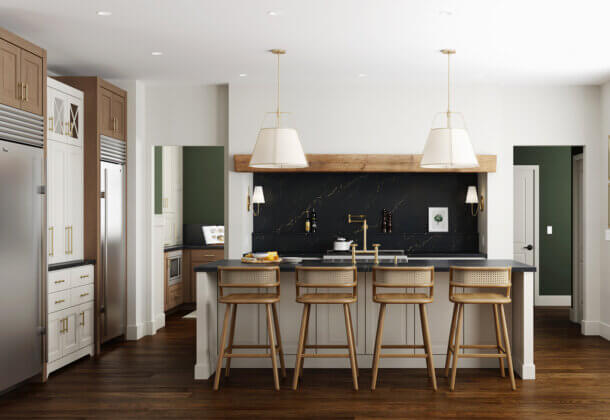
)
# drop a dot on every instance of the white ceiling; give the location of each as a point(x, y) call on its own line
point(394, 41)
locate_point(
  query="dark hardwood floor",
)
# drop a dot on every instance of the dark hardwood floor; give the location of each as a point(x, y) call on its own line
point(153, 378)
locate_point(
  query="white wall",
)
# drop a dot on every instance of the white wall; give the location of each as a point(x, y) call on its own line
point(368, 118)
point(605, 245)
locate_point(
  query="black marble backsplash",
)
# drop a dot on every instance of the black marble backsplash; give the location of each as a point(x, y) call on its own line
point(281, 224)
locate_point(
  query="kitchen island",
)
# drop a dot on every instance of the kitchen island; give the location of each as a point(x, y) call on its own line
point(402, 321)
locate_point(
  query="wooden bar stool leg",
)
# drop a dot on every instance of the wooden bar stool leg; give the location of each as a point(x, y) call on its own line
point(426, 331)
point(231, 338)
point(451, 338)
point(378, 339)
point(350, 344)
point(300, 349)
point(306, 338)
point(351, 324)
point(276, 379)
point(498, 339)
point(276, 323)
point(509, 357)
point(221, 356)
point(456, 348)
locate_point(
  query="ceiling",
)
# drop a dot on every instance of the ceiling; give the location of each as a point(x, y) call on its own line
point(386, 41)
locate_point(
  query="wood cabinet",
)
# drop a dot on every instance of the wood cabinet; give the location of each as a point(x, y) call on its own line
point(173, 279)
point(191, 259)
point(64, 202)
point(112, 114)
point(70, 321)
point(22, 73)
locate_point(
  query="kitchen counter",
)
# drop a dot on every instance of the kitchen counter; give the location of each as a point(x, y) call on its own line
point(70, 264)
point(402, 323)
point(183, 246)
point(440, 265)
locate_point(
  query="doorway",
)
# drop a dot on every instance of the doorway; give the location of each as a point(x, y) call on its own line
point(547, 184)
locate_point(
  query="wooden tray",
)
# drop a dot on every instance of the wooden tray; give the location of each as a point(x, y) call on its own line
point(259, 261)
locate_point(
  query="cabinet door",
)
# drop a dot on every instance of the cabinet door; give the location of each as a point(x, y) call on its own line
point(105, 114)
point(54, 327)
point(117, 110)
point(73, 201)
point(84, 315)
point(31, 79)
point(55, 199)
point(56, 105)
point(10, 71)
point(69, 341)
point(74, 118)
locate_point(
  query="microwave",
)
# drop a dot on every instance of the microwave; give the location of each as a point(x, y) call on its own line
point(174, 267)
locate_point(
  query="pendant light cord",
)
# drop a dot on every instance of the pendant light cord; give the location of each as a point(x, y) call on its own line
point(278, 92)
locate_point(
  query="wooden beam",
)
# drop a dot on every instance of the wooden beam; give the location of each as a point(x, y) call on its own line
point(365, 163)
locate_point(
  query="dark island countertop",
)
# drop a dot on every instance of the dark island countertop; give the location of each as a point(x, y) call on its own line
point(439, 265)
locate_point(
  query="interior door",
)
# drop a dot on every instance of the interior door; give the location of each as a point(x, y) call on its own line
point(9, 74)
point(31, 77)
point(524, 215)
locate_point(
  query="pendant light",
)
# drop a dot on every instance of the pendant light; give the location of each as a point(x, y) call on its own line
point(278, 147)
point(448, 145)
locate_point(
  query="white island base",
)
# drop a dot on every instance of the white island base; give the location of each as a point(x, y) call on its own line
point(402, 326)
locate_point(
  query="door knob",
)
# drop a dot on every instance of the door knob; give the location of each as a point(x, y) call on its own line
point(529, 247)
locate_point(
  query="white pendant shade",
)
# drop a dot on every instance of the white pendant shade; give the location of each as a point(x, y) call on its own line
point(471, 195)
point(449, 148)
point(278, 148)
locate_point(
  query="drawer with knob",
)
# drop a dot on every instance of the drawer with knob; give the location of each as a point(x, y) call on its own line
point(81, 276)
point(58, 280)
point(58, 301)
point(81, 294)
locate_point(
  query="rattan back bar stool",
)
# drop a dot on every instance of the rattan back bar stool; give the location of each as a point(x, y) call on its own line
point(340, 279)
point(408, 278)
point(498, 279)
point(259, 277)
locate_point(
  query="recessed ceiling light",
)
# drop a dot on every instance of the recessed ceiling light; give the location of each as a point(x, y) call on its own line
point(104, 13)
point(446, 12)
point(156, 53)
point(275, 12)
point(362, 75)
point(243, 74)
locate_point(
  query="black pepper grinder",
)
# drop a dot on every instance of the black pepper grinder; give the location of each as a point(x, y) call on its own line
point(389, 221)
point(384, 221)
point(314, 221)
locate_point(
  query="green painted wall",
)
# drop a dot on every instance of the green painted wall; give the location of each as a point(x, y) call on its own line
point(158, 180)
point(556, 210)
point(203, 179)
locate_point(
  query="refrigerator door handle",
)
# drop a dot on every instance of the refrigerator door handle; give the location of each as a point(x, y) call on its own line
point(105, 257)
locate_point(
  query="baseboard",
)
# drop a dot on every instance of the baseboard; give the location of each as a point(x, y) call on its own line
point(203, 371)
point(552, 300)
point(137, 331)
point(525, 371)
point(134, 332)
point(159, 322)
point(589, 327)
point(604, 330)
point(66, 360)
point(574, 316)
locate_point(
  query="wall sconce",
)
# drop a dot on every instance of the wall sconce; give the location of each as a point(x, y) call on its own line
point(258, 198)
point(472, 199)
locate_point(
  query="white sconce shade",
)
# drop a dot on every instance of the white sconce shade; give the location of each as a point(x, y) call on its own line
point(449, 148)
point(257, 196)
point(278, 148)
point(471, 195)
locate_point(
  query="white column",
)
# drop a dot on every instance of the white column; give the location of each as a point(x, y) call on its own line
point(523, 325)
point(206, 325)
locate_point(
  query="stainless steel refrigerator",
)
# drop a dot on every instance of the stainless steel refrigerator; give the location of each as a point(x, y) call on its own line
point(22, 259)
point(113, 233)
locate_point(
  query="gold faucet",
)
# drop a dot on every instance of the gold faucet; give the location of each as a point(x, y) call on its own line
point(361, 218)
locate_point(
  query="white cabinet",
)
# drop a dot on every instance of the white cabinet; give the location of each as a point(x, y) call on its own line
point(172, 194)
point(64, 202)
point(64, 113)
point(70, 316)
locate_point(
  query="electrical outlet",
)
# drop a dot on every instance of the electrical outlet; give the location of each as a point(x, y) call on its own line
point(549, 230)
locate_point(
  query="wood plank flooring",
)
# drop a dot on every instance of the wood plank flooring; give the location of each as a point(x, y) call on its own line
point(153, 378)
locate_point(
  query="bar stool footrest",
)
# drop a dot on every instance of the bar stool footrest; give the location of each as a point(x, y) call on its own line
point(403, 355)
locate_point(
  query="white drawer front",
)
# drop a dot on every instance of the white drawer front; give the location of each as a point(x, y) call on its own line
point(81, 276)
point(58, 280)
point(81, 294)
point(58, 301)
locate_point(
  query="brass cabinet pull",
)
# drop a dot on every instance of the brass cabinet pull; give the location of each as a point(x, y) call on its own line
point(19, 91)
point(50, 128)
point(84, 294)
point(82, 322)
point(26, 93)
point(67, 239)
point(52, 231)
point(64, 325)
point(71, 240)
point(84, 276)
point(59, 281)
point(59, 301)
